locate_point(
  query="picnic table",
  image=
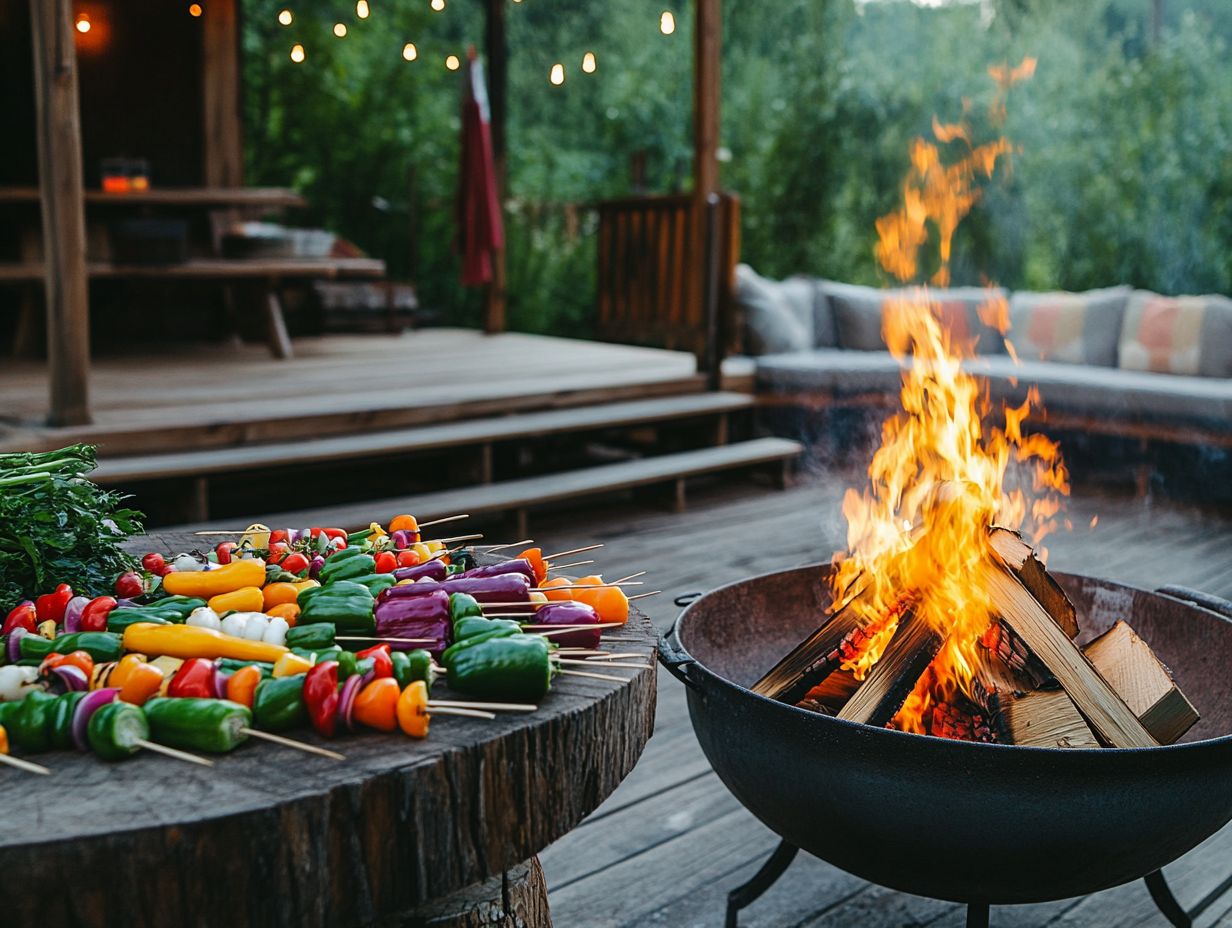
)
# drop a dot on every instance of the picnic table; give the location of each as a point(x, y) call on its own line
point(439, 832)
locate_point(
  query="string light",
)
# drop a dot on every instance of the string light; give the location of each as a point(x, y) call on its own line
point(297, 53)
point(361, 9)
point(667, 22)
point(557, 74)
point(194, 10)
point(340, 30)
point(588, 63)
point(83, 23)
point(438, 5)
point(409, 52)
point(285, 17)
point(453, 63)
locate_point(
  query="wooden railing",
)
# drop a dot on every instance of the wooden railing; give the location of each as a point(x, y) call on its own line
point(652, 273)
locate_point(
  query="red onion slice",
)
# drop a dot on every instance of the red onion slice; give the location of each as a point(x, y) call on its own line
point(12, 649)
point(220, 683)
point(346, 702)
point(72, 678)
point(72, 613)
point(90, 703)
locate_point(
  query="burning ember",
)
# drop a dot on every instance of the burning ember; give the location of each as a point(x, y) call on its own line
point(944, 621)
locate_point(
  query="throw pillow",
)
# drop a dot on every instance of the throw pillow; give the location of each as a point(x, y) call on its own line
point(1070, 328)
point(778, 315)
point(1178, 334)
point(858, 315)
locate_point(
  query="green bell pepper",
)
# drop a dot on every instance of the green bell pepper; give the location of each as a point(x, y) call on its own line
point(348, 606)
point(375, 583)
point(195, 724)
point(231, 665)
point(278, 704)
point(348, 664)
point(31, 726)
point(402, 668)
point(102, 646)
point(357, 566)
point(115, 729)
point(120, 619)
point(311, 637)
point(515, 668)
point(421, 666)
point(463, 605)
point(180, 605)
point(472, 626)
point(62, 720)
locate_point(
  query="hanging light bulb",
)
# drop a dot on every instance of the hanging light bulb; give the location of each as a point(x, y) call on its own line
point(82, 24)
point(285, 18)
point(297, 53)
point(194, 10)
point(361, 9)
point(557, 75)
point(667, 22)
point(340, 30)
point(438, 5)
point(588, 63)
point(409, 51)
point(453, 63)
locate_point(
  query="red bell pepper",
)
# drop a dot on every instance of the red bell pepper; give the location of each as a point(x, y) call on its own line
point(386, 562)
point(94, 615)
point(194, 678)
point(50, 606)
point(129, 585)
point(382, 662)
point(23, 615)
point(295, 563)
point(321, 697)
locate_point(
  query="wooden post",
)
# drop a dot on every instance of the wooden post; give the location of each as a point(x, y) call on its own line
point(496, 54)
point(220, 57)
point(64, 228)
point(706, 49)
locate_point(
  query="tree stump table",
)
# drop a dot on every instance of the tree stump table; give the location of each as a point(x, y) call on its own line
point(441, 832)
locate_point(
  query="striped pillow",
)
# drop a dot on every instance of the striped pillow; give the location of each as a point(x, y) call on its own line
point(1178, 334)
point(1070, 328)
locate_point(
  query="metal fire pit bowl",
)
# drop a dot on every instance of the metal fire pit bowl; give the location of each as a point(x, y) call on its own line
point(975, 823)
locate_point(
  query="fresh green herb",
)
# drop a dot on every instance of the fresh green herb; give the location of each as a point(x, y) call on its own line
point(58, 527)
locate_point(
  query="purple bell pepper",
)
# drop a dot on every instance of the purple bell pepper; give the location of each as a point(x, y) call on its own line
point(433, 570)
point(505, 588)
point(567, 612)
point(425, 616)
point(516, 565)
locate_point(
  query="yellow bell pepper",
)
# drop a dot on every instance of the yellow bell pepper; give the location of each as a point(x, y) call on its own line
point(205, 584)
point(47, 629)
point(248, 599)
point(185, 641)
point(257, 536)
point(290, 664)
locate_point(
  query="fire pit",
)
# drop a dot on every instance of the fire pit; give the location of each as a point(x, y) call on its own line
point(975, 823)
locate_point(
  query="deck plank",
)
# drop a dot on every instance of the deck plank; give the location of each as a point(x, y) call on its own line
point(625, 867)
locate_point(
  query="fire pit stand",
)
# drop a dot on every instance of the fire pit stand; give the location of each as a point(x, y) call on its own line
point(1073, 821)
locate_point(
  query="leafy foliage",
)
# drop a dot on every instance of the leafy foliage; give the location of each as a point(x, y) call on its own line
point(58, 527)
point(1124, 172)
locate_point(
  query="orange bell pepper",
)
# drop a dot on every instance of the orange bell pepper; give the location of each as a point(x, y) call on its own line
point(288, 612)
point(205, 584)
point(79, 659)
point(246, 599)
point(277, 594)
point(376, 705)
point(587, 589)
point(404, 523)
point(612, 605)
point(558, 588)
point(413, 709)
point(4, 740)
point(187, 641)
point(140, 683)
point(537, 563)
point(242, 685)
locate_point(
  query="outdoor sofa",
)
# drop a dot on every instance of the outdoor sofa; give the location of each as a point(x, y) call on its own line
point(1116, 360)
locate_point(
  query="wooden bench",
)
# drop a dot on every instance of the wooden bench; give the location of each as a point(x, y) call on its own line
point(518, 496)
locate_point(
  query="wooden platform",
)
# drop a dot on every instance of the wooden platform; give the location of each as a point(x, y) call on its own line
point(216, 396)
point(672, 841)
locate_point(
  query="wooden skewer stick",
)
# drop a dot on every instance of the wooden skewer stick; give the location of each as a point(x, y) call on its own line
point(291, 743)
point(452, 538)
point(469, 713)
point(586, 663)
point(609, 656)
point(28, 766)
point(508, 544)
point(596, 676)
point(586, 586)
point(465, 515)
point(399, 640)
point(574, 564)
point(630, 577)
point(489, 706)
point(172, 752)
point(644, 595)
point(548, 557)
point(561, 629)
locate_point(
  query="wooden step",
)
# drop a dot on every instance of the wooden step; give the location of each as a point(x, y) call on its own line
point(518, 495)
point(471, 432)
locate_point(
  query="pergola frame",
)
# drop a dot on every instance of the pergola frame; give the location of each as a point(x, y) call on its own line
point(61, 183)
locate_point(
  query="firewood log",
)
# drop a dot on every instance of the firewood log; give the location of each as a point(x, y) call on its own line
point(1026, 716)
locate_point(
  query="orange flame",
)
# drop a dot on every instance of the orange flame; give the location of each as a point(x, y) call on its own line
point(943, 474)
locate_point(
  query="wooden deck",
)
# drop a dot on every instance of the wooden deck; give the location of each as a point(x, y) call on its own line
point(204, 396)
point(671, 841)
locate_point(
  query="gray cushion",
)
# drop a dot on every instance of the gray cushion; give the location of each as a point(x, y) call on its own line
point(1074, 328)
point(778, 316)
point(857, 314)
point(1064, 388)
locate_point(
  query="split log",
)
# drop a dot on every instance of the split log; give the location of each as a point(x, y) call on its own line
point(1003, 641)
point(1031, 573)
point(890, 682)
point(1026, 716)
point(832, 693)
point(1103, 708)
point(1131, 667)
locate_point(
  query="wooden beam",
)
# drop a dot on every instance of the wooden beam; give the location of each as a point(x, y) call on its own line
point(707, 39)
point(496, 64)
point(64, 228)
point(220, 64)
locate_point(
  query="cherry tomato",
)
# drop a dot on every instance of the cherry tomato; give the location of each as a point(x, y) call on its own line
point(386, 562)
point(94, 615)
point(278, 535)
point(154, 563)
point(295, 563)
point(223, 551)
point(407, 558)
point(335, 533)
point(277, 550)
point(129, 585)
